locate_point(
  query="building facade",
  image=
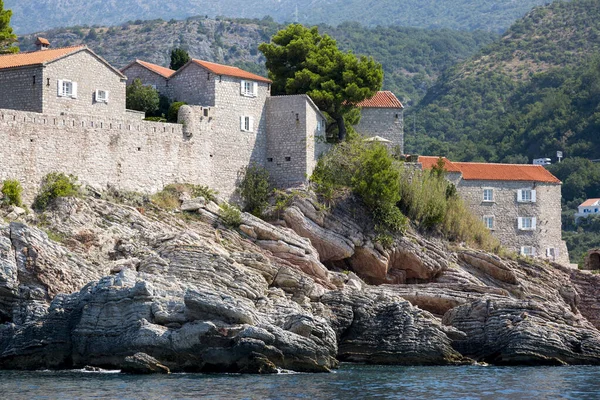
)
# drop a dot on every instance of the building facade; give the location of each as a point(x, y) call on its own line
point(382, 116)
point(588, 208)
point(519, 203)
point(70, 80)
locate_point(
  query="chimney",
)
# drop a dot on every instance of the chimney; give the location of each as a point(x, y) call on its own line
point(42, 43)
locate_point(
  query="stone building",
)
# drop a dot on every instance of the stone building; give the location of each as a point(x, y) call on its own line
point(69, 80)
point(519, 203)
point(150, 74)
point(382, 116)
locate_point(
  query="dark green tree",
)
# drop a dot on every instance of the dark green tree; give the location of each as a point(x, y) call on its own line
point(179, 57)
point(7, 37)
point(300, 60)
point(142, 98)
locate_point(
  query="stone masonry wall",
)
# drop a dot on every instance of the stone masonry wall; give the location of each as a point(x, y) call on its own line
point(128, 154)
point(385, 122)
point(90, 74)
point(136, 71)
point(18, 90)
point(506, 209)
point(193, 85)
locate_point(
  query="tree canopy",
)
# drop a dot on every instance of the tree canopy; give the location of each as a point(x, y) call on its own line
point(179, 57)
point(300, 60)
point(7, 37)
point(142, 98)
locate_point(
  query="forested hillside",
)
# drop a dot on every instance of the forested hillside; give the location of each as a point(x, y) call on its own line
point(412, 58)
point(491, 15)
point(532, 93)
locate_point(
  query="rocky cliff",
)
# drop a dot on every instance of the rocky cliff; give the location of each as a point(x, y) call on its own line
point(92, 282)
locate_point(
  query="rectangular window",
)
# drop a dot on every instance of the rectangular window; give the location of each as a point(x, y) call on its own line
point(247, 124)
point(488, 220)
point(288, 159)
point(527, 223)
point(526, 196)
point(552, 253)
point(101, 96)
point(67, 88)
point(249, 88)
point(527, 251)
point(488, 194)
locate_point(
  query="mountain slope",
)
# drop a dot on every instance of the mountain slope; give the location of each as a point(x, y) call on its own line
point(412, 58)
point(492, 15)
point(528, 95)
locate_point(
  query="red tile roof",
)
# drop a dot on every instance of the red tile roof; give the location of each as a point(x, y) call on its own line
point(41, 40)
point(39, 57)
point(162, 71)
point(220, 69)
point(429, 162)
point(505, 172)
point(589, 202)
point(382, 99)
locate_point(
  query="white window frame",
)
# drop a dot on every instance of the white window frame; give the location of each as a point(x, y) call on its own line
point(528, 251)
point(249, 88)
point(491, 197)
point(67, 88)
point(527, 223)
point(489, 221)
point(552, 252)
point(526, 196)
point(101, 96)
point(246, 123)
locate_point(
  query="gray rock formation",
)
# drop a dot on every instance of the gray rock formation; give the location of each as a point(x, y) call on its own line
point(144, 290)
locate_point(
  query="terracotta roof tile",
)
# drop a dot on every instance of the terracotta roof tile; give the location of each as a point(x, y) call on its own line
point(589, 202)
point(43, 41)
point(505, 172)
point(429, 162)
point(36, 57)
point(220, 69)
point(382, 99)
point(162, 71)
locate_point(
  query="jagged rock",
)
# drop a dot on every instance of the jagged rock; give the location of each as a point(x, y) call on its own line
point(142, 363)
point(513, 332)
point(193, 204)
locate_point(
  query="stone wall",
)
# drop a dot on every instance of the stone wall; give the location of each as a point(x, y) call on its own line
point(18, 91)
point(90, 74)
point(385, 122)
point(136, 71)
point(193, 85)
point(128, 154)
point(506, 209)
point(296, 139)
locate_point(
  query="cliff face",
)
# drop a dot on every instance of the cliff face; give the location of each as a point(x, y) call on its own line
point(195, 296)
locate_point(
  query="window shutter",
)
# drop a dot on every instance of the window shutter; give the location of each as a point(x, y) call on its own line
point(242, 87)
point(242, 123)
point(520, 195)
point(547, 251)
point(74, 90)
point(533, 253)
point(60, 88)
point(255, 88)
point(533, 221)
point(106, 96)
point(520, 222)
point(251, 124)
point(533, 198)
point(522, 250)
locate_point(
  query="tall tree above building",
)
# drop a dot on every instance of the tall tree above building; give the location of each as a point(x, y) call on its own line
point(7, 37)
point(300, 60)
point(179, 57)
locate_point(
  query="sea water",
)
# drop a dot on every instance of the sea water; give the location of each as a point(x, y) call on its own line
point(349, 382)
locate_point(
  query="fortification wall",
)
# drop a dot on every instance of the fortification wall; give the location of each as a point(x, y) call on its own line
point(128, 154)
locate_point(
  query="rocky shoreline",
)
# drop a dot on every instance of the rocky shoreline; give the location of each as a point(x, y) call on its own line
point(144, 290)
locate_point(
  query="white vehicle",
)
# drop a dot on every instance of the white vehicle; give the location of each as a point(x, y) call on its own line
point(542, 161)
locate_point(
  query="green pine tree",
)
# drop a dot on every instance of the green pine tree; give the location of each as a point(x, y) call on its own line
point(7, 37)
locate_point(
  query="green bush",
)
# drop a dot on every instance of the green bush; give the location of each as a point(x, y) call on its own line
point(231, 215)
point(376, 180)
point(54, 185)
point(141, 98)
point(174, 110)
point(12, 190)
point(255, 189)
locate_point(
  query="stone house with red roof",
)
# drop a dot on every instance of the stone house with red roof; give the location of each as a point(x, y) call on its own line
point(382, 116)
point(69, 80)
point(519, 203)
point(150, 74)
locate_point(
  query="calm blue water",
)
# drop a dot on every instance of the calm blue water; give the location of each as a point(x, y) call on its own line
point(349, 382)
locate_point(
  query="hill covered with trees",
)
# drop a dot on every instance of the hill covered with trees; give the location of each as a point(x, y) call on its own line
point(491, 15)
point(412, 58)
